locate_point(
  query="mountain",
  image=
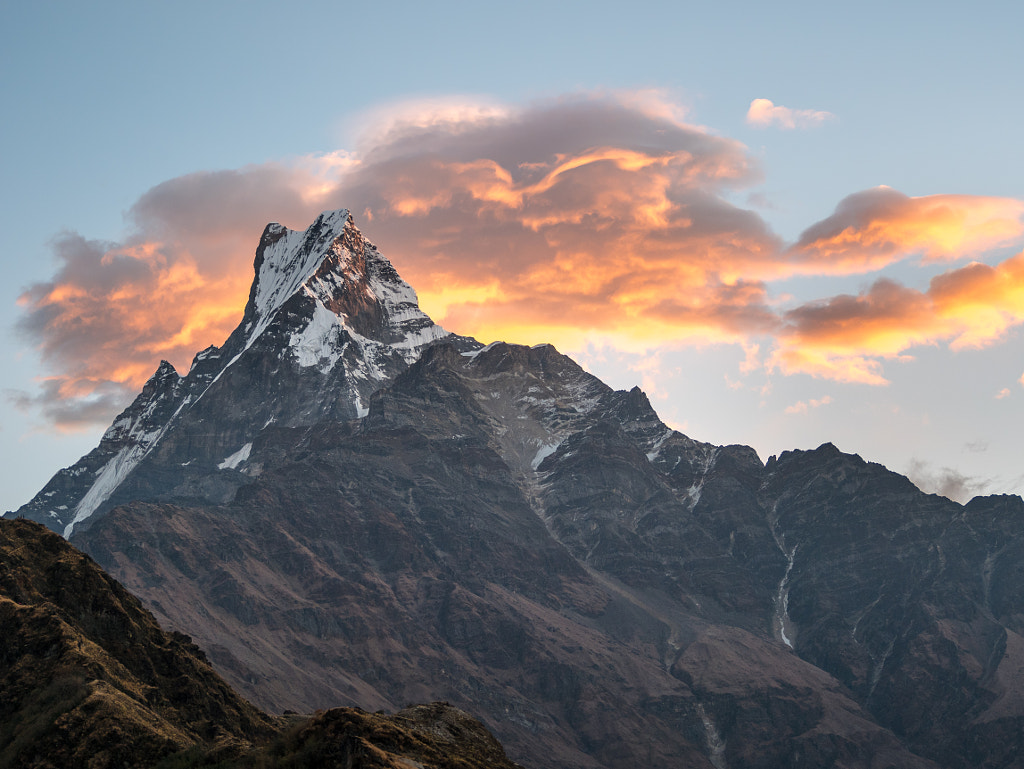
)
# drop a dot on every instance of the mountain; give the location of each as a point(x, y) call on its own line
point(87, 678)
point(328, 321)
point(347, 505)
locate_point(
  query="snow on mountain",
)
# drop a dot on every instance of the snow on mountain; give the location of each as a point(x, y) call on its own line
point(328, 321)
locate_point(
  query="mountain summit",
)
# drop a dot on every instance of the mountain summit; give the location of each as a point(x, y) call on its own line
point(346, 505)
point(328, 321)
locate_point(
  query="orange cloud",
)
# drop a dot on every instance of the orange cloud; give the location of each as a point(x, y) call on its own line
point(845, 337)
point(572, 220)
point(982, 302)
point(587, 220)
point(874, 228)
point(763, 113)
point(177, 284)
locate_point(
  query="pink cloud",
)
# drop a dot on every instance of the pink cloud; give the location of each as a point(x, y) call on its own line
point(763, 113)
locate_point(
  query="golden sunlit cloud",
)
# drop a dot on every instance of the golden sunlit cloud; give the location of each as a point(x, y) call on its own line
point(874, 228)
point(844, 337)
point(595, 219)
point(763, 113)
point(178, 284)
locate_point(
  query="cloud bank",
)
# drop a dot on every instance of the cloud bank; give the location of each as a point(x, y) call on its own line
point(589, 219)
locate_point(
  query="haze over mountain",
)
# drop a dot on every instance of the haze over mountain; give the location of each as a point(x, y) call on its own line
point(347, 504)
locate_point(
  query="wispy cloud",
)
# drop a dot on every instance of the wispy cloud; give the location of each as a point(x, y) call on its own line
point(802, 407)
point(946, 482)
point(874, 228)
point(763, 114)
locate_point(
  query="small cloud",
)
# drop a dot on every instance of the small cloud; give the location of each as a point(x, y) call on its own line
point(1021, 380)
point(760, 200)
point(752, 360)
point(70, 407)
point(977, 447)
point(763, 113)
point(1004, 393)
point(802, 407)
point(946, 482)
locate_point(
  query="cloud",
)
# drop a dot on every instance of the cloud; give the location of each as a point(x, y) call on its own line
point(177, 284)
point(844, 337)
point(571, 219)
point(802, 407)
point(946, 482)
point(763, 113)
point(877, 227)
point(68, 410)
point(1004, 393)
point(595, 219)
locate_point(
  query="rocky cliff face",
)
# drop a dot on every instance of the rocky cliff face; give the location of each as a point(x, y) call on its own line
point(495, 527)
point(87, 678)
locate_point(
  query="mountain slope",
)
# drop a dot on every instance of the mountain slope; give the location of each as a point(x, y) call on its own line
point(86, 674)
point(88, 679)
point(343, 504)
point(440, 547)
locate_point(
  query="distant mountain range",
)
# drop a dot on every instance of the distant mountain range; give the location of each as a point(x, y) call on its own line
point(347, 505)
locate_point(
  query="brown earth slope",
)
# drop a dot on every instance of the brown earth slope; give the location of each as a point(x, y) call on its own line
point(88, 679)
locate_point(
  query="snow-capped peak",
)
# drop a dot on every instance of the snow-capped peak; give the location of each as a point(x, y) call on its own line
point(328, 322)
point(287, 259)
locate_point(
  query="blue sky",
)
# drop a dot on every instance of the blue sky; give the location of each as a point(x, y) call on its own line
point(105, 102)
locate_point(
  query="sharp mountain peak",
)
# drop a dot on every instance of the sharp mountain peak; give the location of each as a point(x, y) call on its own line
point(327, 321)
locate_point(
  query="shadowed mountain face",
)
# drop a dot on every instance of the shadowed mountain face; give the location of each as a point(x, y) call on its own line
point(87, 678)
point(495, 527)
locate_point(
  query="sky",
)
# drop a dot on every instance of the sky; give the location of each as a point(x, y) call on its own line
point(789, 223)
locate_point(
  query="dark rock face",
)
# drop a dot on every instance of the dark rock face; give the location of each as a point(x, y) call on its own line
point(349, 506)
point(87, 678)
point(891, 592)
